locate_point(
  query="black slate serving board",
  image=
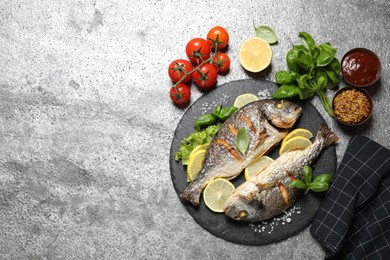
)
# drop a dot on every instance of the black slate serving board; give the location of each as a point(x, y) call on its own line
point(273, 230)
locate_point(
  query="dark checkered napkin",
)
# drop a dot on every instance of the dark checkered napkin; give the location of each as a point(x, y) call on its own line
point(353, 221)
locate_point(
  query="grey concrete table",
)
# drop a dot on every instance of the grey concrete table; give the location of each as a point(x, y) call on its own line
point(86, 122)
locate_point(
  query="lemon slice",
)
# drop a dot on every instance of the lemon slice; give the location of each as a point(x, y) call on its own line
point(298, 132)
point(244, 99)
point(255, 54)
point(198, 148)
point(216, 193)
point(195, 164)
point(257, 166)
point(294, 143)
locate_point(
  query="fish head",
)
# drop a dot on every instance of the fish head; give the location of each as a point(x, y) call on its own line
point(241, 210)
point(244, 207)
point(281, 113)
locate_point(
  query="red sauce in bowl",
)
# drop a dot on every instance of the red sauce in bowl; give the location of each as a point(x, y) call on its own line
point(360, 67)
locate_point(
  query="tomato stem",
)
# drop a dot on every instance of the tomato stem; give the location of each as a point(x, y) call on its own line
point(197, 67)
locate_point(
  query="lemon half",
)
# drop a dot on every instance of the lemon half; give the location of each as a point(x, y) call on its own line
point(216, 193)
point(255, 54)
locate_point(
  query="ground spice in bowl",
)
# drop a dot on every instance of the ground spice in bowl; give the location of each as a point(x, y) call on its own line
point(352, 106)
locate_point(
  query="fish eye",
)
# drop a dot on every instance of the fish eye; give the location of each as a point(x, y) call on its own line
point(280, 105)
point(242, 214)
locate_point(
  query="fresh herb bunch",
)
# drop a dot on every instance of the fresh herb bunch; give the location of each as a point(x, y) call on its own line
point(311, 70)
point(320, 183)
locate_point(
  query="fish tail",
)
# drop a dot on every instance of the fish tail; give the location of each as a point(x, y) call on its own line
point(326, 135)
point(192, 192)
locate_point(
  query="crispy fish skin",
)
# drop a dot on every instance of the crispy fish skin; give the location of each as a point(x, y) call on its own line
point(266, 123)
point(267, 194)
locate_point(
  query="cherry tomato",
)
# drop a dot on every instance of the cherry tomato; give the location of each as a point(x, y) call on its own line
point(181, 94)
point(218, 35)
point(198, 50)
point(221, 62)
point(205, 76)
point(178, 68)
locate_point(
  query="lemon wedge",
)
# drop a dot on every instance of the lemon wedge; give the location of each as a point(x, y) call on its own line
point(257, 166)
point(244, 99)
point(195, 164)
point(216, 193)
point(298, 132)
point(255, 54)
point(294, 143)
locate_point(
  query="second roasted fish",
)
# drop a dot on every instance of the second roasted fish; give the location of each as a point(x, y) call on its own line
point(267, 194)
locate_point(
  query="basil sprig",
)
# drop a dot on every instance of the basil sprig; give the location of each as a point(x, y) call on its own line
point(219, 113)
point(311, 71)
point(319, 184)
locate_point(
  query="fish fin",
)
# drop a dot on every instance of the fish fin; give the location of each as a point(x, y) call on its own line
point(283, 193)
point(192, 193)
point(326, 135)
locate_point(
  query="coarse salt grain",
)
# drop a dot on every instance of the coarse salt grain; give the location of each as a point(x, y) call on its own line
point(269, 225)
point(263, 94)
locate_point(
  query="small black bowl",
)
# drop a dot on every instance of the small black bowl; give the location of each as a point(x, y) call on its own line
point(361, 91)
point(361, 67)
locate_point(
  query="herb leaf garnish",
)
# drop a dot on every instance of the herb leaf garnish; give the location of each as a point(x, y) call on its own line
point(266, 33)
point(319, 184)
point(242, 140)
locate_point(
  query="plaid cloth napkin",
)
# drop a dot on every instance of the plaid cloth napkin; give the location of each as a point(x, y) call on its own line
point(353, 221)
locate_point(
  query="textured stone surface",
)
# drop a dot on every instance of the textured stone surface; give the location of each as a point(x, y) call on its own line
point(86, 122)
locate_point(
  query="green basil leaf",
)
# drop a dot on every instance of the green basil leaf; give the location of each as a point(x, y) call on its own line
point(304, 60)
point(327, 54)
point(319, 186)
point(217, 110)
point(335, 65)
point(266, 33)
point(333, 78)
point(321, 79)
point(291, 58)
point(242, 140)
point(326, 177)
point(298, 184)
point(307, 41)
point(307, 174)
point(204, 120)
point(304, 93)
point(315, 52)
point(286, 91)
point(322, 82)
point(284, 77)
point(226, 112)
point(302, 81)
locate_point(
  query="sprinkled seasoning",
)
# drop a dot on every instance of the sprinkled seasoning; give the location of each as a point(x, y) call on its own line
point(264, 94)
point(267, 227)
point(209, 107)
point(351, 106)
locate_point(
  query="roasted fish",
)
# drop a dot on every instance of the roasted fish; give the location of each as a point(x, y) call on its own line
point(266, 123)
point(267, 194)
